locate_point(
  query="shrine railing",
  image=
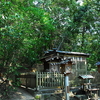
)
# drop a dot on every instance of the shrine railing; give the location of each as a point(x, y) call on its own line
point(42, 80)
point(49, 80)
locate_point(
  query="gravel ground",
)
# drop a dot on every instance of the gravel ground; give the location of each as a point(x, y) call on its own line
point(21, 94)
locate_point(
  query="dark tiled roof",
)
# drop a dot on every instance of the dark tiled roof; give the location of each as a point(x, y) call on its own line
point(50, 54)
point(66, 52)
point(73, 53)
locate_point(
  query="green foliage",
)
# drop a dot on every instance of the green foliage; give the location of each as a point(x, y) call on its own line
point(25, 32)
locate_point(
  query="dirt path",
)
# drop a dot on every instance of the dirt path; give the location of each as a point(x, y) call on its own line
point(21, 94)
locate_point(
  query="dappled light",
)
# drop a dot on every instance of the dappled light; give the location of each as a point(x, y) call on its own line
point(44, 41)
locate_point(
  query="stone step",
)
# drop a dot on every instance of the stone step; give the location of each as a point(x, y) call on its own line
point(81, 97)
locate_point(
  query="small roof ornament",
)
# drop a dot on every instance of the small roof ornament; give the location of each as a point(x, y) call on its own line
point(98, 65)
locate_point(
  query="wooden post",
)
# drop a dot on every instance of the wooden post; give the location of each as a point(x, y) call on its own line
point(37, 87)
point(67, 87)
point(26, 81)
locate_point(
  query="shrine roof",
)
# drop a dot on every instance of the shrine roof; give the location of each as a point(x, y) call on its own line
point(57, 54)
point(66, 53)
point(86, 77)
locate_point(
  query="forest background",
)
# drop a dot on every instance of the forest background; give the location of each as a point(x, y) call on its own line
point(30, 27)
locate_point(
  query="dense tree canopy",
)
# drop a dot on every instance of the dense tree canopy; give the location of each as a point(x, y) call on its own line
point(28, 28)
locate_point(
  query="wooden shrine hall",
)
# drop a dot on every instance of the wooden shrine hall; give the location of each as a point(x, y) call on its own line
point(53, 61)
